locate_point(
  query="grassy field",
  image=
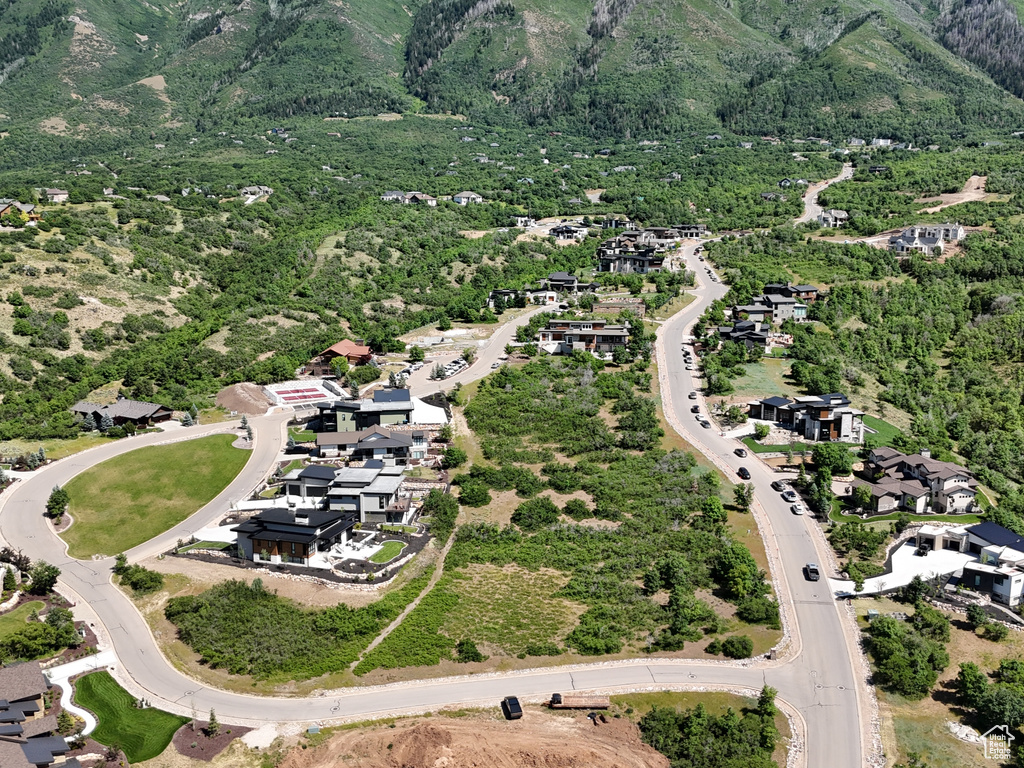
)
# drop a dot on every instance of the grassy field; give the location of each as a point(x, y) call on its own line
point(142, 733)
point(887, 433)
point(763, 379)
point(509, 608)
point(388, 552)
point(15, 620)
point(131, 498)
point(55, 449)
point(676, 305)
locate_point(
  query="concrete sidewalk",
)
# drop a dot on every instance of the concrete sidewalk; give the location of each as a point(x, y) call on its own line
point(62, 675)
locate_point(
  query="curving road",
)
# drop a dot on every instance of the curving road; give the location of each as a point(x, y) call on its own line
point(811, 207)
point(815, 678)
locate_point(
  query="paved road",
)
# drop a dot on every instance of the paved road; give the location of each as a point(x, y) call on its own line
point(811, 207)
point(818, 680)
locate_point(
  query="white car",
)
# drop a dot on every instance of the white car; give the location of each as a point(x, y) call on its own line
point(495, 365)
point(797, 509)
point(691, 367)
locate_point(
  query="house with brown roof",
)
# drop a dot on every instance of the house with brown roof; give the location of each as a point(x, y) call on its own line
point(28, 736)
point(57, 195)
point(322, 364)
point(918, 483)
point(124, 411)
point(391, 447)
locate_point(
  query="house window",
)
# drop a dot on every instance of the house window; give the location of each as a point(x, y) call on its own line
point(999, 581)
point(381, 502)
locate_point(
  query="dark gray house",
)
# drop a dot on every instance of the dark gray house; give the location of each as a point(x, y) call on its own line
point(28, 736)
point(292, 535)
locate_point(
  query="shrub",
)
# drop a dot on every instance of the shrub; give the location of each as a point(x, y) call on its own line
point(738, 647)
point(466, 651)
point(453, 457)
point(141, 580)
point(535, 514)
point(577, 509)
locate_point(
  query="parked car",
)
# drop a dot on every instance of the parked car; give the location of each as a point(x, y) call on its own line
point(692, 395)
point(779, 485)
point(741, 452)
point(790, 496)
point(694, 409)
point(511, 708)
point(706, 424)
point(797, 509)
point(691, 367)
point(813, 574)
point(495, 365)
point(744, 473)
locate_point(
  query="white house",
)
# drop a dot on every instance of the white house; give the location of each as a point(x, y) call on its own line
point(465, 198)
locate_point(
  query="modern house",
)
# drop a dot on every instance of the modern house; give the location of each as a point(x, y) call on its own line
point(57, 195)
point(563, 282)
point(355, 354)
point(821, 418)
point(803, 293)
point(759, 313)
point(999, 569)
point(28, 736)
point(569, 232)
point(370, 492)
point(926, 239)
point(124, 411)
point(257, 190)
point(753, 335)
point(626, 260)
point(524, 222)
point(292, 535)
point(391, 448)
point(919, 483)
point(777, 307)
point(564, 336)
point(386, 407)
point(465, 198)
point(833, 218)
point(691, 231)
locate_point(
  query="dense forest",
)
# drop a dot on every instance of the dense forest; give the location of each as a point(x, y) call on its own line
point(990, 34)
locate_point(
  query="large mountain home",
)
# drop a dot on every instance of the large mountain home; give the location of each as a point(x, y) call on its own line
point(124, 411)
point(929, 239)
point(751, 334)
point(57, 195)
point(622, 256)
point(386, 407)
point(391, 448)
point(569, 232)
point(833, 218)
point(803, 293)
point(918, 483)
point(564, 336)
point(355, 354)
point(821, 418)
point(408, 198)
point(371, 492)
point(777, 307)
point(999, 569)
point(11, 207)
point(28, 736)
point(563, 282)
point(465, 198)
point(293, 535)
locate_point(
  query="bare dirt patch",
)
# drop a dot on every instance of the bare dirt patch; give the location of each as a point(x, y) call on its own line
point(158, 84)
point(243, 398)
point(56, 126)
point(541, 738)
point(974, 189)
point(198, 744)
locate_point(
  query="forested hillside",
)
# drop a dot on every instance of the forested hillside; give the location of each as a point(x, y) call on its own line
point(601, 68)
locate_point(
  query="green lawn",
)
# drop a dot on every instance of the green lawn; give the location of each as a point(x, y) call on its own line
point(887, 433)
point(15, 620)
point(399, 528)
point(839, 517)
point(301, 435)
point(142, 733)
point(131, 498)
point(388, 552)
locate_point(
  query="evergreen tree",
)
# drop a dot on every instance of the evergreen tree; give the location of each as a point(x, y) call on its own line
point(213, 727)
point(245, 421)
point(89, 423)
point(10, 584)
point(186, 420)
point(106, 422)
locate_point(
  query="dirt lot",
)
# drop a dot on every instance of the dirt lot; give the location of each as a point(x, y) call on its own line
point(974, 189)
point(541, 738)
point(243, 398)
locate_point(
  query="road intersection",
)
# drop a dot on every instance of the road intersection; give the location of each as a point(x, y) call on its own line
point(819, 672)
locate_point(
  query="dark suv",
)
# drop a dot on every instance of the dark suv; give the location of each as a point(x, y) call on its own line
point(511, 708)
point(744, 473)
point(813, 574)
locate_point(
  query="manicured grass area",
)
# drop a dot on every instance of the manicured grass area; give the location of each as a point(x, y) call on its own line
point(15, 620)
point(388, 552)
point(840, 517)
point(294, 464)
point(399, 528)
point(205, 545)
point(271, 493)
point(716, 703)
point(509, 608)
point(756, 447)
point(886, 431)
point(131, 498)
point(301, 435)
point(142, 733)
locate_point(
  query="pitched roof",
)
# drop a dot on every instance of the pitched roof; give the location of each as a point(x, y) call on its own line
point(347, 347)
point(123, 408)
point(22, 681)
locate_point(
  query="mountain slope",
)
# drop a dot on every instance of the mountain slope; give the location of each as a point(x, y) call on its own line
point(598, 67)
